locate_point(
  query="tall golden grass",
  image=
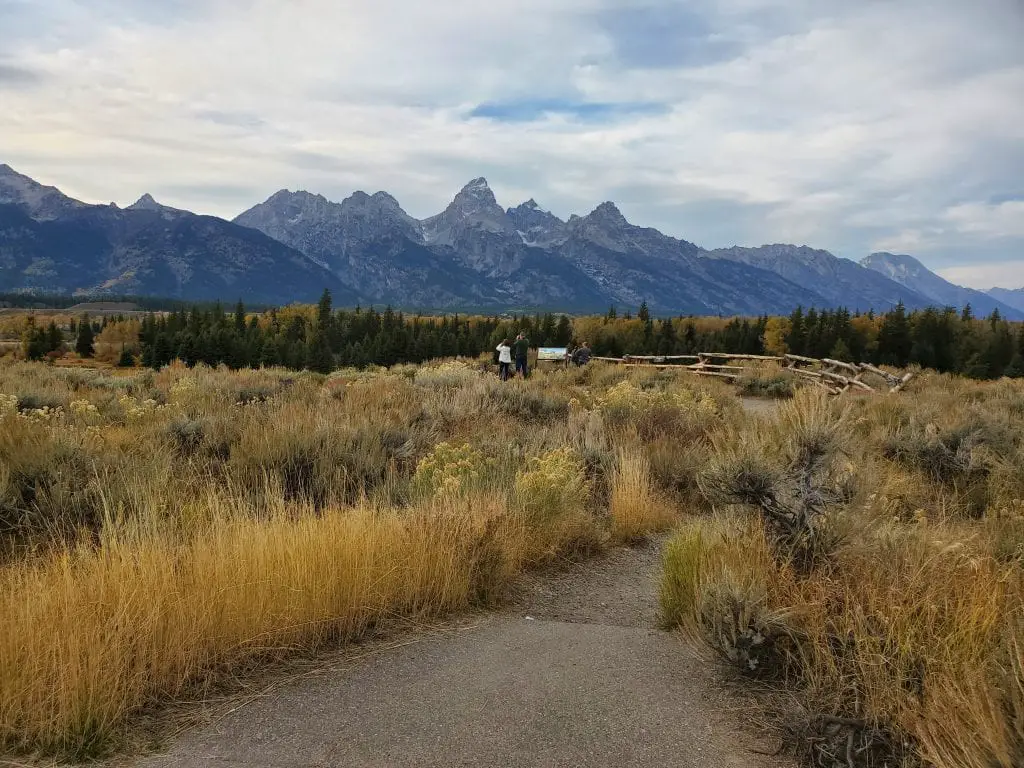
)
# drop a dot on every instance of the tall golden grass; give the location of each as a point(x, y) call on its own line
point(93, 633)
point(161, 531)
point(637, 507)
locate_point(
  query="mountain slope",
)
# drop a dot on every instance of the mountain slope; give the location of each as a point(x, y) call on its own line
point(50, 242)
point(634, 264)
point(840, 282)
point(908, 271)
point(1013, 297)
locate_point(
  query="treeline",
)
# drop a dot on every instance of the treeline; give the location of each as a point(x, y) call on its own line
point(941, 339)
point(322, 339)
point(56, 301)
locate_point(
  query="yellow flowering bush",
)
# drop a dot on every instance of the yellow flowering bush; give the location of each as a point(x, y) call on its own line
point(83, 410)
point(138, 409)
point(627, 397)
point(554, 482)
point(449, 469)
point(184, 389)
point(8, 404)
point(44, 415)
point(684, 413)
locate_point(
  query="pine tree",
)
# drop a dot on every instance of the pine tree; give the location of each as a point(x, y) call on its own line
point(841, 352)
point(894, 340)
point(54, 338)
point(240, 318)
point(796, 339)
point(1015, 370)
point(85, 343)
point(643, 314)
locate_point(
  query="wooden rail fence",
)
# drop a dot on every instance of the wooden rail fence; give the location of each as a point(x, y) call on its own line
point(834, 376)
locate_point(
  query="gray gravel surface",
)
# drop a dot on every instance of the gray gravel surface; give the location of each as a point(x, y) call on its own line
point(573, 672)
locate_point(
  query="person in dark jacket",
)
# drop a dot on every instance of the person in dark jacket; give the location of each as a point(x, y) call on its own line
point(582, 355)
point(521, 349)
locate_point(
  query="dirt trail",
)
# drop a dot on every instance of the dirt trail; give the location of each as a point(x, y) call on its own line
point(574, 672)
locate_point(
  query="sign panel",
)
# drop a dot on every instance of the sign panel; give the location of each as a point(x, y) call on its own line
point(551, 353)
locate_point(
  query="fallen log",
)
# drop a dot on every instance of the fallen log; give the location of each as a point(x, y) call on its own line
point(655, 357)
point(846, 381)
point(893, 380)
point(802, 359)
point(903, 382)
point(712, 373)
point(772, 358)
point(840, 364)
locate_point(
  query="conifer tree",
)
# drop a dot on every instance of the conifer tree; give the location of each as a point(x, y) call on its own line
point(84, 344)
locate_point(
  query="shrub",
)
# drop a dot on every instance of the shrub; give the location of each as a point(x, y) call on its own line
point(779, 387)
point(450, 470)
point(553, 483)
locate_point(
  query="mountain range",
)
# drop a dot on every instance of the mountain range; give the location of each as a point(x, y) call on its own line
point(474, 255)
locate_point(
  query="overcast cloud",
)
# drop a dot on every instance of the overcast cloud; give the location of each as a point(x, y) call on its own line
point(852, 126)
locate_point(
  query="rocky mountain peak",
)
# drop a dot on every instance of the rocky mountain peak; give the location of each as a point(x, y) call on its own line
point(608, 212)
point(478, 187)
point(893, 264)
point(145, 203)
point(535, 225)
point(383, 198)
point(474, 209)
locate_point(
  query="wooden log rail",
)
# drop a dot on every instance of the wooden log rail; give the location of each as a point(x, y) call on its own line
point(834, 376)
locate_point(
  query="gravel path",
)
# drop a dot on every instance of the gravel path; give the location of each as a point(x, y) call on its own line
point(573, 672)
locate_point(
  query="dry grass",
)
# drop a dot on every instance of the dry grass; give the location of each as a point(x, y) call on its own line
point(160, 532)
point(904, 643)
point(637, 506)
point(150, 614)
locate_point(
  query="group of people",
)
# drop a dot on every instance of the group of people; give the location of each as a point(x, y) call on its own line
point(519, 350)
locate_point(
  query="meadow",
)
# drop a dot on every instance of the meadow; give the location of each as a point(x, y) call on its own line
point(162, 531)
point(861, 558)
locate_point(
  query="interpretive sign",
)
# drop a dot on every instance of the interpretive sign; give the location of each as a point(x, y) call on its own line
point(554, 354)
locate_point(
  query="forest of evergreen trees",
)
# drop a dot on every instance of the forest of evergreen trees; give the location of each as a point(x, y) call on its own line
point(323, 339)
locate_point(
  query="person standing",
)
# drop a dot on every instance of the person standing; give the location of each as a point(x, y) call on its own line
point(583, 354)
point(522, 350)
point(504, 360)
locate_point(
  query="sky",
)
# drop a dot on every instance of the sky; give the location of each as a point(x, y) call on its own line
point(859, 126)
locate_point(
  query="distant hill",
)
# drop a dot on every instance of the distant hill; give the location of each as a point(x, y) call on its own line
point(1012, 297)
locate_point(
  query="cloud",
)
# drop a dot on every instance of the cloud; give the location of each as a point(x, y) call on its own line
point(12, 76)
point(1005, 274)
point(842, 125)
point(1004, 219)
